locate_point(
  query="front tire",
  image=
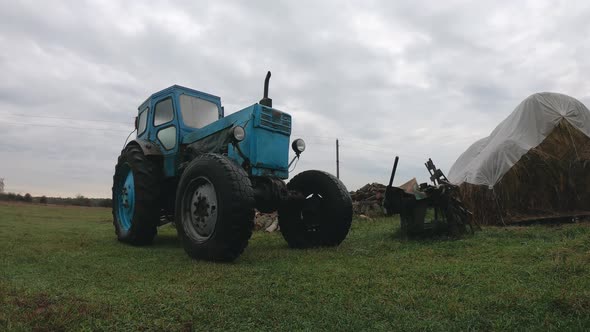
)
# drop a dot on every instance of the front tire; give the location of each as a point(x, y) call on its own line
point(214, 208)
point(136, 186)
point(323, 218)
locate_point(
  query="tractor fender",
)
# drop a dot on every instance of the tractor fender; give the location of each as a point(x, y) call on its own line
point(148, 148)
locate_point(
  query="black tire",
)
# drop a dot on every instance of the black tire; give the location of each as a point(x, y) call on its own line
point(324, 218)
point(146, 187)
point(214, 224)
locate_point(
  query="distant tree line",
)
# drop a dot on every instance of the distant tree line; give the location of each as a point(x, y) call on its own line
point(16, 197)
point(79, 200)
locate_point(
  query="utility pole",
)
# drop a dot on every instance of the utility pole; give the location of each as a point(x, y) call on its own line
point(337, 160)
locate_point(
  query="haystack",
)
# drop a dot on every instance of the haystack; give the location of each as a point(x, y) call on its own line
point(535, 164)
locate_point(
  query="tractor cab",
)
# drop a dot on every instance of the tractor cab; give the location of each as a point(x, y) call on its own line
point(168, 115)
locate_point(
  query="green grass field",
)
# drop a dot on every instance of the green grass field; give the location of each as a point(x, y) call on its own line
point(62, 269)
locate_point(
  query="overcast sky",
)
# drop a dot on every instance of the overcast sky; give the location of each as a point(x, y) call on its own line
point(412, 78)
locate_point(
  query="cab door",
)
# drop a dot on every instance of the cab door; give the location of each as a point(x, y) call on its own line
point(165, 131)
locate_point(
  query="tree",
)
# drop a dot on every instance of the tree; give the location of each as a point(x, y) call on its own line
point(80, 200)
point(28, 198)
point(1, 185)
point(43, 199)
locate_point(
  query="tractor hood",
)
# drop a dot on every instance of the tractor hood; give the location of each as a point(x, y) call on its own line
point(265, 148)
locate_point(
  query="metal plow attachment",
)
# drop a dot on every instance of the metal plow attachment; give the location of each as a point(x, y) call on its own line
point(427, 210)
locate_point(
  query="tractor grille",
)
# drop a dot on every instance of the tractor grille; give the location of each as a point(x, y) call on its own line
point(273, 119)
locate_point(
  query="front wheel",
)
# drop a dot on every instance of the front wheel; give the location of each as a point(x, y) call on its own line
point(323, 218)
point(214, 208)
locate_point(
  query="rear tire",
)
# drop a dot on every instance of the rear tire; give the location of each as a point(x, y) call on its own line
point(324, 218)
point(136, 185)
point(214, 209)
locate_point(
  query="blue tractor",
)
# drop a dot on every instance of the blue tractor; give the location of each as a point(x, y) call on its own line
point(207, 172)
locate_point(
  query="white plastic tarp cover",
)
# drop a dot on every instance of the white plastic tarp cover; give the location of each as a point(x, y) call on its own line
point(487, 160)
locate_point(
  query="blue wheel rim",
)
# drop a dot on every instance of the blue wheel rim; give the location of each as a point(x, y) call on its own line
point(126, 199)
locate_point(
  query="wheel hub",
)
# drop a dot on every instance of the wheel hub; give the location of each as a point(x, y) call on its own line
point(126, 200)
point(203, 209)
point(125, 197)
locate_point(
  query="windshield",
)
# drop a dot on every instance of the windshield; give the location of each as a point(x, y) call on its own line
point(196, 112)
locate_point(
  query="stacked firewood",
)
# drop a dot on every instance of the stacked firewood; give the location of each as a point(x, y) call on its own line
point(266, 222)
point(368, 199)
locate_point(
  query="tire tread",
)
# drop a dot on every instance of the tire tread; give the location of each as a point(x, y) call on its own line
point(147, 184)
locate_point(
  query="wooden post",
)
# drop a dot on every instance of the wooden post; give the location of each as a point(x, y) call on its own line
point(337, 160)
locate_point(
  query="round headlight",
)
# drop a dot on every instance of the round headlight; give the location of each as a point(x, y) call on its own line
point(239, 133)
point(298, 146)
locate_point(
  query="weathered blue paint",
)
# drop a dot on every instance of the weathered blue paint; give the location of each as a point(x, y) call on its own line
point(125, 196)
point(175, 91)
point(266, 145)
point(240, 118)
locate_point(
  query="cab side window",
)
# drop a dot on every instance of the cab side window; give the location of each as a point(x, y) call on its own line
point(164, 112)
point(142, 122)
point(167, 137)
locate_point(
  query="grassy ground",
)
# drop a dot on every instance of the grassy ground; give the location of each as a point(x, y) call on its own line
point(61, 269)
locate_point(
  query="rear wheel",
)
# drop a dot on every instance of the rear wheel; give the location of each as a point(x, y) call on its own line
point(214, 208)
point(323, 218)
point(135, 197)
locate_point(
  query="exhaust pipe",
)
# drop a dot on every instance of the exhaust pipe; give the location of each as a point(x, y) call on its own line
point(265, 101)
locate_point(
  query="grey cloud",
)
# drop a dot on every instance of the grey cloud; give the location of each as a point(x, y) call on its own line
point(413, 78)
